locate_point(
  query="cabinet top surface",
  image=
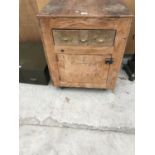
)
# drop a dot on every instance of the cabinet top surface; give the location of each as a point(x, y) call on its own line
point(85, 8)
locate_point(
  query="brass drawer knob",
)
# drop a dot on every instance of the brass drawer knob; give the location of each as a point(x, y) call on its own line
point(83, 40)
point(100, 40)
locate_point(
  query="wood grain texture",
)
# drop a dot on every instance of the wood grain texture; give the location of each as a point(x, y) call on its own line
point(83, 85)
point(84, 37)
point(49, 51)
point(29, 30)
point(60, 64)
point(130, 48)
point(41, 3)
point(83, 50)
point(85, 8)
point(120, 44)
point(83, 68)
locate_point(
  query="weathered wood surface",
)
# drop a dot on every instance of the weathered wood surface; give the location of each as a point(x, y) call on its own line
point(83, 68)
point(83, 50)
point(65, 73)
point(84, 37)
point(29, 28)
point(130, 48)
point(85, 8)
point(28, 22)
point(119, 49)
point(41, 3)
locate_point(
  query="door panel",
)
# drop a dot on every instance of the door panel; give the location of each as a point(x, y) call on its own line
point(83, 68)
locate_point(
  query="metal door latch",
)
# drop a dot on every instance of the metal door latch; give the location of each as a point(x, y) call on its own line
point(109, 61)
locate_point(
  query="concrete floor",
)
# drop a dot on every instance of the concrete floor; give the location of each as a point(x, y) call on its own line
point(77, 121)
point(39, 140)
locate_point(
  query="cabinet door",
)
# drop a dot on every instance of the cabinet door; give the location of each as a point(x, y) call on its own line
point(90, 69)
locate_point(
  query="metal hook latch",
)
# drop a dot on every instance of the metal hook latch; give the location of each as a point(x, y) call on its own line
point(109, 61)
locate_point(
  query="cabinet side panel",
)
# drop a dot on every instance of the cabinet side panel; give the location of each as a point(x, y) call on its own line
point(49, 50)
point(119, 48)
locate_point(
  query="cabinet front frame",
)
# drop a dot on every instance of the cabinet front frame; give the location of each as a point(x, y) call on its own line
point(121, 25)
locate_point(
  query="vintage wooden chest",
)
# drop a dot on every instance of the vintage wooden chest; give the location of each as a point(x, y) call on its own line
point(84, 41)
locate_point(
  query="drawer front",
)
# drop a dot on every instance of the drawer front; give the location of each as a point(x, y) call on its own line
point(65, 37)
point(103, 37)
point(89, 69)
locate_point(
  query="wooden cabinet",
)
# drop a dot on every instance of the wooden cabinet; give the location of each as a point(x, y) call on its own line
point(84, 41)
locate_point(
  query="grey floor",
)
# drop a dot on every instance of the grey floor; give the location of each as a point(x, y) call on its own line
point(72, 121)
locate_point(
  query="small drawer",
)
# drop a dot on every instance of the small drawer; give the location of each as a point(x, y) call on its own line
point(84, 37)
point(65, 37)
point(101, 37)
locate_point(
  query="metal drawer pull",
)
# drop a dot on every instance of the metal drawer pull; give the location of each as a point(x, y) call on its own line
point(66, 39)
point(109, 61)
point(83, 40)
point(100, 40)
